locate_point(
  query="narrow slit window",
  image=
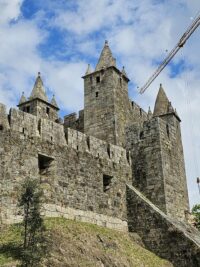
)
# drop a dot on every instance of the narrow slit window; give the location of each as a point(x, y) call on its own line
point(1, 127)
point(97, 94)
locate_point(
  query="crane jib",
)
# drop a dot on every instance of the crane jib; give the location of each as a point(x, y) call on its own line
point(180, 44)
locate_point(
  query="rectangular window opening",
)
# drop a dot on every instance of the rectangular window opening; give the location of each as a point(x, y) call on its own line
point(98, 79)
point(47, 110)
point(1, 127)
point(44, 163)
point(97, 94)
point(28, 109)
point(107, 181)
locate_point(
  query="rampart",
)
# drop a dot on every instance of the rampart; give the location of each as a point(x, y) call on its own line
point(76, 171)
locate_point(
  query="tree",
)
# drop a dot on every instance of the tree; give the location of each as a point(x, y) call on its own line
point(34, 240)
point(196, 213)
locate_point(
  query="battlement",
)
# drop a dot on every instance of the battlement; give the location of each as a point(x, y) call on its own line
point(29, 125)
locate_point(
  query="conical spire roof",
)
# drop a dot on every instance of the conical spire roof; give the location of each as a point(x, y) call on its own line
point(38, 89)
point(22, 99)
point(106, 58)
point(162, 103)
point(53, 102)
point(88, 71)
point(123, 71)
point(149, 114)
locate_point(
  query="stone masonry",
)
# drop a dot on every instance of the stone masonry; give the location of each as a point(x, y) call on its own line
point(114, 165)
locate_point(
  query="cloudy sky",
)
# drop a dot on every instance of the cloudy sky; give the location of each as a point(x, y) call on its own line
point(60, 37)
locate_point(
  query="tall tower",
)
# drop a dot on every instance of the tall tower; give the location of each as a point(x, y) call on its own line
point(106, 100)
point(158, 161)
point(38, 103)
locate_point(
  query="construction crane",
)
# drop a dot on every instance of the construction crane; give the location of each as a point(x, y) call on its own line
point(180, 44)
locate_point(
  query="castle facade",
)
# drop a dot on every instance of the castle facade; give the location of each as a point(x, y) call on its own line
point(115, 165)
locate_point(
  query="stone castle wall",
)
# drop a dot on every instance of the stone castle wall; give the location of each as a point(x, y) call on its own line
point(77, 171)
point(167, 237)
point(158, 164)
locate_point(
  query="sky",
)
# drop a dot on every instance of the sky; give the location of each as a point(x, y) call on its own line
point(60, 37)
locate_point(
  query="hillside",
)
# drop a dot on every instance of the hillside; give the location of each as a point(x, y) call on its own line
point(76, 244)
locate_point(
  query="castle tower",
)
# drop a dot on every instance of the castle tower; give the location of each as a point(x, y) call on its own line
point(38, 103)
point(158, 161)
point(106, 99)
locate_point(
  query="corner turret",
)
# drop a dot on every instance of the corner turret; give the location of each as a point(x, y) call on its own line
point(38, 104)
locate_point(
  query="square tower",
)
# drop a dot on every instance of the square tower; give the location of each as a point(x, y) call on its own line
point(106, 101)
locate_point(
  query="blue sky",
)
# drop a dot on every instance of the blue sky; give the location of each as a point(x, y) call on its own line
point(59, 38)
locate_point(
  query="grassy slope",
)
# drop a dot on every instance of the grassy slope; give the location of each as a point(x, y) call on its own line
point(77, 244)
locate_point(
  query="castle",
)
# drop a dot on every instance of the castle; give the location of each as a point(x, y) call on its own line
point(115, 165)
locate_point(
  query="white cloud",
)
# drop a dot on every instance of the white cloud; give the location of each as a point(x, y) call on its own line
point(9, 10)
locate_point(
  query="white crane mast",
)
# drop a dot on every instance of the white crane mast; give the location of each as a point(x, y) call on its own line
point(180, 44)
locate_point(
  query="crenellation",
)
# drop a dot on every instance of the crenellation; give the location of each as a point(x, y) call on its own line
point(90, 166)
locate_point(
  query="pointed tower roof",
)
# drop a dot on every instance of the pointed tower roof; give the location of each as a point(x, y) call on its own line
point(162, 103)
point(22, 99)
point(123, 71)
point(53, 102)
point(106, 58)
point(149, 115)
point(38, 89)
point(88, 71)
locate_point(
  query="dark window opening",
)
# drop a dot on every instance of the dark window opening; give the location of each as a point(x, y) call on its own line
point(141, 134)
point(102, 72)
point(1, 127)
point(76, 147)
point(88, 142)
point(108, 150)
point(132, 103)
point(90, 79)
point(97, 94)
point(47, 110)
point(39, 126)
point(44, 163)
point(24, 109)
point(167, 128)
point(28, 109)
point(23, 130)
point(107, 180)
point(98, 79)
point(140, 112)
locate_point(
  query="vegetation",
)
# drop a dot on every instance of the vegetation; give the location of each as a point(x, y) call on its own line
point(196, 213)
point(33, 230)
point(77, 244)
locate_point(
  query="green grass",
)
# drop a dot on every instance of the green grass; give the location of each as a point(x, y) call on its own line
point(81, 244)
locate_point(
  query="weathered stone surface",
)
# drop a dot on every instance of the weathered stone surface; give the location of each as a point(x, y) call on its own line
point(165, 236)
point(85, 163)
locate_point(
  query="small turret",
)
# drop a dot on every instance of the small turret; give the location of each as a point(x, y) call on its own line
point(53, 102)
point(124, 72)
point(106, 58)
point(22, 99)
point(88, 71)
point(149, 115)
point(37, 104)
